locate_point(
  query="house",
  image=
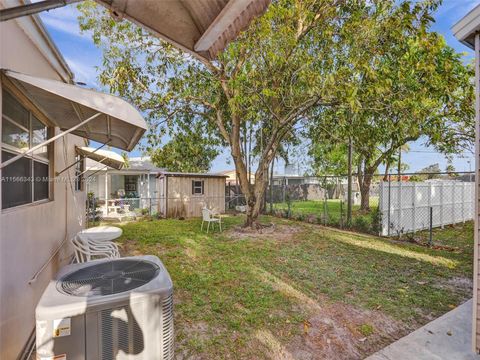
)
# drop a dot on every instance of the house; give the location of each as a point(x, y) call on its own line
point(231, 177)
point(186, 194)
point(134, 184)
point(45, 119)
point(467, 30)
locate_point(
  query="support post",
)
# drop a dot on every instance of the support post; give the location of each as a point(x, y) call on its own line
point(442, 195)
point(430, 238)
point(414, 207)
point(106, 190)
point(389, 203)
point(349, 183)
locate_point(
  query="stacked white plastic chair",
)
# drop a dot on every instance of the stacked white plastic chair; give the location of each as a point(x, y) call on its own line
point(89, 247)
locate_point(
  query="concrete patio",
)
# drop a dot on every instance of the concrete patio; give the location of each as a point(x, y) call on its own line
point(446, 338)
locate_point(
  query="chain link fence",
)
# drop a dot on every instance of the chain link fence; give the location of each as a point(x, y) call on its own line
point(127, 209)
point(324, 200)
point(396, 204)
point(423, 204)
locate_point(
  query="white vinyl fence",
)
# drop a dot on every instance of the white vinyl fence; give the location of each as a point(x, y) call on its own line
point(405, 206)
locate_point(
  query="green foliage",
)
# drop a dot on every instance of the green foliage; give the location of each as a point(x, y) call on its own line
point(406, 85)
point(366, 329)
point(186, 152)
point(362, 223)
point(287, 65)
point(427, 173)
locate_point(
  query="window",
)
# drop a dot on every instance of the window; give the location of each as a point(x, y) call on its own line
point(27, 179)
point(79, 168)
point(197, 187)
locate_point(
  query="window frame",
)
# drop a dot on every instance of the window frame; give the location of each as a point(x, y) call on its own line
point(201, 187)
point(33, 112)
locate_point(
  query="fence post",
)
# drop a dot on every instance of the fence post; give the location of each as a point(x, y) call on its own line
point(341, 214)
point(429, 195)
point(441, 203)
point(453, 220)
point(324, 206)
point(381, 208)
point(389, 203)
point(430, 238)
point(463, 202)
point(400, 207)
point(414, 207)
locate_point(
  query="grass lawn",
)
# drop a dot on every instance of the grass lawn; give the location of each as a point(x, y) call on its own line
point(300, 290)
point(335, 210)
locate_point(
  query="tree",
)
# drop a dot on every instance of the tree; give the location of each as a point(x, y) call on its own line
point(188, 152)
point(277, 73)
point(406, 85)
point(427, 173)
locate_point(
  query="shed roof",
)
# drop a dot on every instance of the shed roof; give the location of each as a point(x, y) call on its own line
point(197, 175)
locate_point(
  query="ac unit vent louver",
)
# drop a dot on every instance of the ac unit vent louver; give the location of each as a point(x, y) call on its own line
point(108, 278)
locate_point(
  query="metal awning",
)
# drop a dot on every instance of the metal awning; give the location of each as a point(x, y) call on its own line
point(116, 122)
point(201, 27)
point(105, 157)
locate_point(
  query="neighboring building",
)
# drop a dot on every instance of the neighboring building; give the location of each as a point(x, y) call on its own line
point(231, 177)
point(125, 193)
point(467, 30)
point(137, 180)
point(42, 200)
point(186, 194)
point(294, 180)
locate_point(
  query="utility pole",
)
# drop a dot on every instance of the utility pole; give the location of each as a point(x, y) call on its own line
point(349, 183)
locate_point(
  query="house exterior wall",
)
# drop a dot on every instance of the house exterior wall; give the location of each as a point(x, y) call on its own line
point(34, 237)
point(180, 202)
point(476, 260)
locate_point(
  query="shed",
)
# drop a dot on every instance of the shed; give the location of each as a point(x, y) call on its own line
point(186, 194)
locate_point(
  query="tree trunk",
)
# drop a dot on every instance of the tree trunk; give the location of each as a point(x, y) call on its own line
point(365, 192)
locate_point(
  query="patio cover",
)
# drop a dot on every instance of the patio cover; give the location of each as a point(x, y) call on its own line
point(108, 158)
point(201, 27)
point(117, 122)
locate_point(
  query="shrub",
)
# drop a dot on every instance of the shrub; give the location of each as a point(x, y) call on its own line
point(362, 223)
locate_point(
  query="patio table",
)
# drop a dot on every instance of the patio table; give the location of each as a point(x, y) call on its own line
point(100, 233)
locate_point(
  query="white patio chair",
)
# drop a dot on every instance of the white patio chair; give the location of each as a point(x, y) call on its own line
point(87, 249)
point(208, 217)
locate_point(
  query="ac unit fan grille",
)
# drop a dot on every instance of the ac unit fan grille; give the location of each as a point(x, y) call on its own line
point(108, 278)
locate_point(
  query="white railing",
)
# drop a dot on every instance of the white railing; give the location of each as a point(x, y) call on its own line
point(406, 206)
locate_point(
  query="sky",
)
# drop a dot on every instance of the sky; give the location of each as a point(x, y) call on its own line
point(83, 58)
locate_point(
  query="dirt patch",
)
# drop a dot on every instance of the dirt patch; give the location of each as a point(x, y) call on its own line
point(460, 285)
point(341, 331)
point(278, 232)
point(130, 248)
